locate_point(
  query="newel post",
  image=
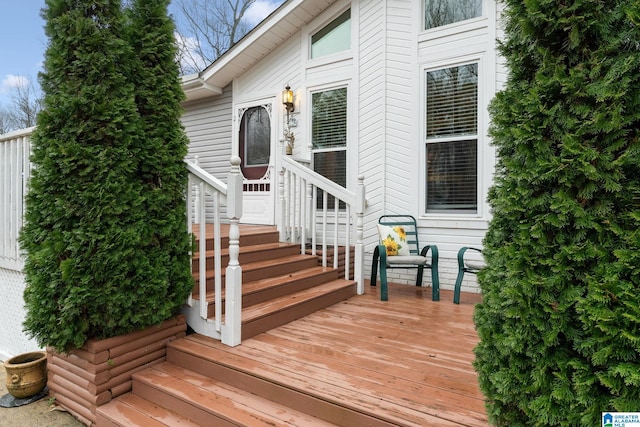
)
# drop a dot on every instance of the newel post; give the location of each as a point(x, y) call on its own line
point(358, 273)
point(232, 331)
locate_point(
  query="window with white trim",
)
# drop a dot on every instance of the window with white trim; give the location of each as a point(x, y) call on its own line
point(329, 134)
point(442, 12)
point(332, 38)
point(451, 140)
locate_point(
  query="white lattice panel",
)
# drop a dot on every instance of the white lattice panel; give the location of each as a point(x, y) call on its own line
point(13, 340)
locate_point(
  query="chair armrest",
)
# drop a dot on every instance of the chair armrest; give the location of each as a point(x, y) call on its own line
point(434, 251)
point(461, 253)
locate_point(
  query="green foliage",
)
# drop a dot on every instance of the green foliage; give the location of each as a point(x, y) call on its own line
point(102, 210)
point(161, 158)
point(559, 323)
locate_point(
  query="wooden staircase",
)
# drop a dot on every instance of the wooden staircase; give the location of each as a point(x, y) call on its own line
point(194, 388)
point(279, 283)
point(200, 384)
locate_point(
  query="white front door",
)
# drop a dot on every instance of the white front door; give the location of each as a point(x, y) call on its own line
point(256, 146)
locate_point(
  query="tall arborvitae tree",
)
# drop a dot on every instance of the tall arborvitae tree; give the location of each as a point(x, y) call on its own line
point(160, 158)
point(95, 263)
point(559, 322)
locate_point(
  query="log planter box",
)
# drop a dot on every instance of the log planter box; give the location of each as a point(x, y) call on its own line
point(101, 370)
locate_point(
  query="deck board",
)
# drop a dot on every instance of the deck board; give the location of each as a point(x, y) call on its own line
point(409, 359)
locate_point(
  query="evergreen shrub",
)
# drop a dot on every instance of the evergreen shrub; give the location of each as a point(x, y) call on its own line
point(559, 322)
point(105, 241)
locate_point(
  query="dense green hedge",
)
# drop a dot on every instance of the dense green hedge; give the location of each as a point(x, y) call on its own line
point(105, 236)
point(559, 322)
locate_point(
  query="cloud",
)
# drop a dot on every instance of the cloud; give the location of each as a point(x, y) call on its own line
point(259, 10)
point(12, 81)
point(189, 53)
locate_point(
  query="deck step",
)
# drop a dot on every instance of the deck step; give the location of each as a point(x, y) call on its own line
point(133, 410)
point(184, 397)
point(205, 357)
point(253, 253)
point(249, 235)
point(262, 269)
point(278, 311)
point(259, 291)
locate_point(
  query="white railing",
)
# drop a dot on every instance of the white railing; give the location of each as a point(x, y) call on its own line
point(15, 167)
point(14, 172)
point(304, 214)
point(204, 187)
point(307, 218)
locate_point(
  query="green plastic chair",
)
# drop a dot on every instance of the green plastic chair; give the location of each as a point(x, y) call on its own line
point(417, 257)
point(468, 265)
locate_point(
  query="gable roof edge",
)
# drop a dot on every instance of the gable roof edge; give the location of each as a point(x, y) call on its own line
point(281, 24)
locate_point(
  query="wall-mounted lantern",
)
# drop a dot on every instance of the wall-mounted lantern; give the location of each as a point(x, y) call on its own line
point(288, 102)
point(287, 99)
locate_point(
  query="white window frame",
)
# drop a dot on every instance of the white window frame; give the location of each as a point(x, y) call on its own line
point(348, 145)
point(442, 218)
point(325, 20)
point(463, 24)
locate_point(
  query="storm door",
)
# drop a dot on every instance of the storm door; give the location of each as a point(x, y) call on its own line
point(255, 146)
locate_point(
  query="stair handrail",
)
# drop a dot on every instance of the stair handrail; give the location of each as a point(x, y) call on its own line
point(230, 194)
point(206, 177)
point(299, 218)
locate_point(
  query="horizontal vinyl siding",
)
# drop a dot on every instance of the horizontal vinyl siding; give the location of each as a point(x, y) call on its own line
point(270, 76)
point(435, 50)
point(208, 126)
point(371, 113)
point(400, 132)
point(342, 70)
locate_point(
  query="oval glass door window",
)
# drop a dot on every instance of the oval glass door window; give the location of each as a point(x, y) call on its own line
point(255, 142)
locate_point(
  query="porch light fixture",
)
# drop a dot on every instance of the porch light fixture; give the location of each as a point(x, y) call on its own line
point(287, 99)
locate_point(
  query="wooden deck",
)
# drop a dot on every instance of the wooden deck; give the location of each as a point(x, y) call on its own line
point(406, 361)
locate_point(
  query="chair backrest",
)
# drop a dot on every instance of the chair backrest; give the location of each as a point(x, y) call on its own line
point(407, 222)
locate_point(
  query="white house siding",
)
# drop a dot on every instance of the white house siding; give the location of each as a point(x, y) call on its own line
point(208, 127)
point(279, 68)
point(371, 112)
point(207, 124)
point(402, 110)
point(267, 80)
point(409, 51)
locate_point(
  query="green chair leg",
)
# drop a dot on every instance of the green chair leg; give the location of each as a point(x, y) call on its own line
point(374, 266)
point(384, 289)
point(435, 280)
point(458, 285)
